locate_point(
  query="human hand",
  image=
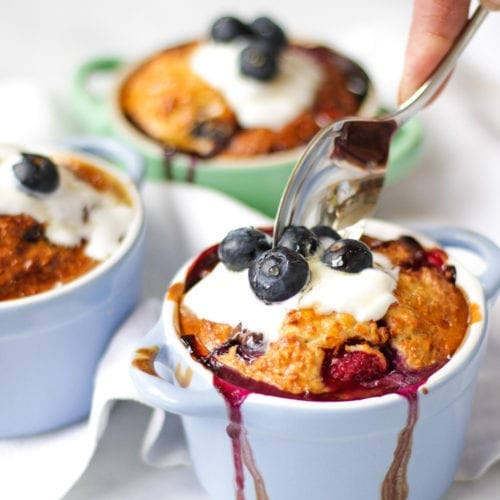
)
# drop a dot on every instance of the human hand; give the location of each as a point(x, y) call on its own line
point(434, 27)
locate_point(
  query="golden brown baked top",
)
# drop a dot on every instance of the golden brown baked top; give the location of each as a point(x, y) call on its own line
point(324, 353)
point(29, 262)
point(96, 178)
point(171, 104)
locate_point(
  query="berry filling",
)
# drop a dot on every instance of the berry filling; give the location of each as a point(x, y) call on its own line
point(368, 359)
point(352, 366)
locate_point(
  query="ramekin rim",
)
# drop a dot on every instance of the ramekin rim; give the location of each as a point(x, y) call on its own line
point(368, 107)
point(467, 351)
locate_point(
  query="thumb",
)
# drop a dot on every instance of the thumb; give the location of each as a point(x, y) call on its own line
point(435, 25)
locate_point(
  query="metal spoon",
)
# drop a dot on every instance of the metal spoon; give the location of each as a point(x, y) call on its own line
point(338, 179)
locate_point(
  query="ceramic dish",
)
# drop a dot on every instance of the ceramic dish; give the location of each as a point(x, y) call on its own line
point(382, 447)
point(51, 342)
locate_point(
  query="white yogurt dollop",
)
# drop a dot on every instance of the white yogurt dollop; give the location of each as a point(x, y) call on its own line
point(366, 295)
point(75, 211)
point(225, 296)
point(259, 104)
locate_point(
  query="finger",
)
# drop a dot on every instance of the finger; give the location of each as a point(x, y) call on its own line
point(435, 25)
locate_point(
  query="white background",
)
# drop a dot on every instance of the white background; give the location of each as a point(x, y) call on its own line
point(456, 181)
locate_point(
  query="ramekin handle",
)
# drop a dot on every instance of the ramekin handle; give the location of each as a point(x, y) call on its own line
point(160, 392)
point(91, 108)
point(112, 150)
point(479, 245)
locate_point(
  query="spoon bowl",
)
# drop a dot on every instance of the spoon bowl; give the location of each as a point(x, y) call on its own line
point(339, 177)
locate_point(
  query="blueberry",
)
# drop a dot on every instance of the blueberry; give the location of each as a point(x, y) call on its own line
point(323, 231)
point(278, 274)
point(299, 239)
point(36, 174)
point(250, 345)
point(259, 60)
point(266, 29)
point(351, 256)
point(227, 28)
point(326, 235)
point(241, 246)
point(34, 233)
point(218, 132)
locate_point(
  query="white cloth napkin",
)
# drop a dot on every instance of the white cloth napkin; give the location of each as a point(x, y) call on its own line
point(56, 460)
point(482, 443)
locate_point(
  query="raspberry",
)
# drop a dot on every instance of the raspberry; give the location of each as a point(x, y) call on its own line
point(351, 366)
point(436, 258)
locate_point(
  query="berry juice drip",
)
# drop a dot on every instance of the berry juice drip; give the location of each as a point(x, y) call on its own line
point(395, 484)
point(168, 157)
point(242, 451)
point(168, 168)
point(191, 172)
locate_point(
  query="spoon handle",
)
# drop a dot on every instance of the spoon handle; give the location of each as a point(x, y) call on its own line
point(427, 90)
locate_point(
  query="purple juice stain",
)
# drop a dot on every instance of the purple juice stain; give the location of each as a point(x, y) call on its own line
point(169, 154)
point(395, 483)
point(168, 158)
point(242, 451)
point(191, 171)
